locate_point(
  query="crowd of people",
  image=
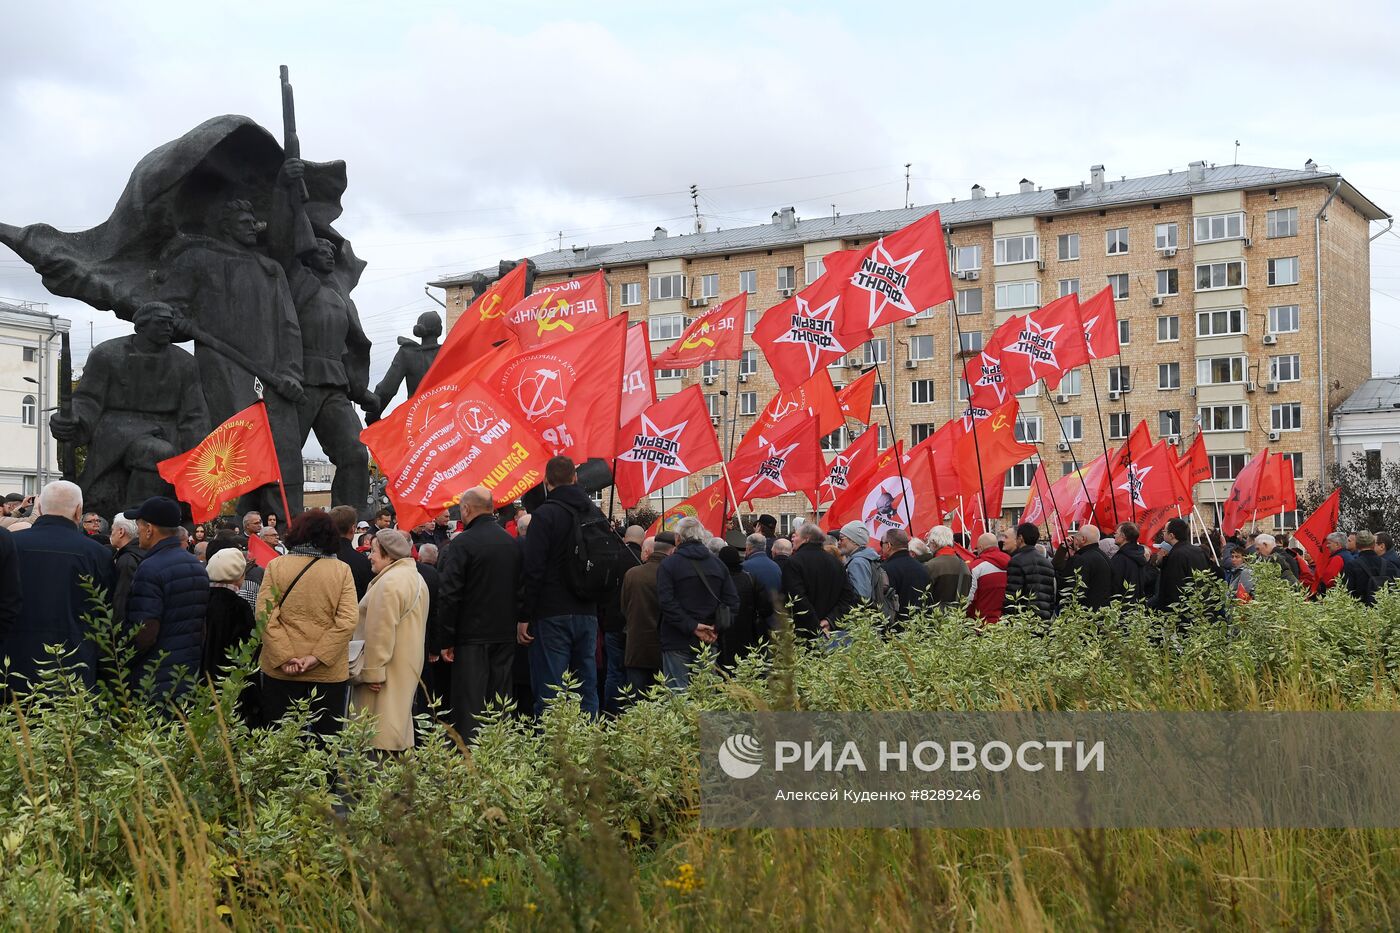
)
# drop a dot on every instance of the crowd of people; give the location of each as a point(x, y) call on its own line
point(460, 614)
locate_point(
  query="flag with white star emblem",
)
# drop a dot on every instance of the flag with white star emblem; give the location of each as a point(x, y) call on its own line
point(804, 334)
point(900, 275)
point(849, 466)
point(718, 334)
point(1049, 343)
point(781, 459)
point(669, 441)
point(1100, 322)
point(983, 372)
point(1145, 489)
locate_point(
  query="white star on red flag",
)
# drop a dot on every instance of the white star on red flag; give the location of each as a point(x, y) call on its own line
point(1133, 485)
point(825, 313)
point(652, 467)
point(1034, 353)
point(776, 461)
point(878, 268)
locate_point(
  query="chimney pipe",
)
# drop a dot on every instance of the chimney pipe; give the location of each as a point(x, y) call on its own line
point(978, 192)
point(1027, 186)
point(1310, 166)
point(1096, 177)
point(788, 218)
point(659, 233)
point(1196, 172)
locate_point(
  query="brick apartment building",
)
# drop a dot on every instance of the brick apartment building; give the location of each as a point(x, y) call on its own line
point(1243, 300)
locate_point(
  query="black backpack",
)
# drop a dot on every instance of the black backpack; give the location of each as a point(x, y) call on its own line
point(590, 570)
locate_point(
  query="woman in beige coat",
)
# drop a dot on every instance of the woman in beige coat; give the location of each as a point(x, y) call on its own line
point(393, 625)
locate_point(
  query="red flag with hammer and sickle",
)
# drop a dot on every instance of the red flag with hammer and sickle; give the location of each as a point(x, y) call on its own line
point(718, 334)
point(479, 328)
point(237, 457)
point(561, 310)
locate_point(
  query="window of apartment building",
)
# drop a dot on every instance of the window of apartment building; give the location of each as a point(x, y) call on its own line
point(1067, 245)
point(676, 490)
point(1221, 323)
point(1373, 464)
point(1012, 249)
point(1168, 328)
point(1215, 227)
point(751, 317)
point(1287, 416)
point(664, 287)
point(921, 392)
point(669, 374)
point(967, 258)
point(1119, 424)
point(1220, 370)
point(1028, 429)
point(710, 370)
point(962, 390)
point(970, 341)
point(1169, 423)
point(631, 293)
point(28, 411)
point(666, 326)
point(1072, 427)
point(715, 403)
point(1017, 294)
point(1288, 521)
point(1068, 467)
point(1296, 460)
point(877, 397)
point(1072, 383)
point(748, 281)
point(814, 269)
point(925, 314)
point(1030, 391)
point(1120, 378)
point(1215, 418)
point(876, 351)
point(1168, 282)
point(1119, 284)
point(1212, 275)
point(1022, 475)
point(1282, 222)
point(1165, 236)
point(1168, 375)
point(1069, 287)
point(1227, 466)
point(969, 301)
point(885, 439)
point(836, 441)
point(1284, 368)
point(748, 403)
point(709, 285)
point(921, 431)
point(748, 362)
point(1116, 240)
point(1283, 319)
point(921, 347)
point(1125, 332)
point(1283, 271)
point(29, 355)
point(787, 278)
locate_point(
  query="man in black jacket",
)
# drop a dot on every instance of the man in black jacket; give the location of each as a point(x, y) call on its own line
point(691, 585)
point(614, 623)
point(1084, 563)
point(1128, 569)
point(816, 583)
point(1181, 563)
point(907, 576)
point(345, 520)
point(560, 627)
point(128, 557)
point(478, 608)
point(1030, 577)
point(11, 600)
point(1368, 571)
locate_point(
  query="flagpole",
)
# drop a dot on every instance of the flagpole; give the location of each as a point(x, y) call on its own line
point(612, 491)
point(976, 445)
point(899, 455)
point(287, 512)
point(1098, 411)
point(1093, 506)
point(1050, 491)
point(1209, 538)
point(1128, 445)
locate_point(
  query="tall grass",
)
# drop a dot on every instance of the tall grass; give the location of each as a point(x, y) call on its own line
point(113, 815)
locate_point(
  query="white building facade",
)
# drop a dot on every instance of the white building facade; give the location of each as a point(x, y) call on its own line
point(30, 341)
point(1369, 423)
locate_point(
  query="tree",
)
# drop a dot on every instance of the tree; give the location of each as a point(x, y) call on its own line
point(1370, 493)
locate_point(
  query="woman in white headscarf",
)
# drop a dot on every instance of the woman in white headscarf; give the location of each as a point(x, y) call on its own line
point(393, 627)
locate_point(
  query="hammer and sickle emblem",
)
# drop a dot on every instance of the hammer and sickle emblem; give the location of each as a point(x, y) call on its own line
point(491, 307)
point(999, 422)
point(698, 339)
point(548, 320)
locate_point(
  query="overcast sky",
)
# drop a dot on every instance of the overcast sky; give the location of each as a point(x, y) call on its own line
point(475, 132)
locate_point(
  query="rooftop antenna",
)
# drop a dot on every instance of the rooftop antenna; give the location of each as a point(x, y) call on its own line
point(834, 215)
point(695, 203)
point(1237, 152)
point(906, 185)
point(561, 239)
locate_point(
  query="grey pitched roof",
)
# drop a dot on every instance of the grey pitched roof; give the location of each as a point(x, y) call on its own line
point(1380, 394)
point(1064, 200)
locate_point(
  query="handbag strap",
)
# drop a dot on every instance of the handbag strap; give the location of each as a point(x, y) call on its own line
point(695, 562)
point(288, 591)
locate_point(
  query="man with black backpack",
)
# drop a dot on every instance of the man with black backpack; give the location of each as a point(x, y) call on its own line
point(698, 601)
point(571, 557)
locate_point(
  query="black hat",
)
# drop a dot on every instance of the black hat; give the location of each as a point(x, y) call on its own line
point(158, 511)
point(768, 520)
point(14, 497)
point(666, 537)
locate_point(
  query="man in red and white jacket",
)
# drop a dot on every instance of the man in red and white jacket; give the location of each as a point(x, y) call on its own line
point(988, 593)
point(1330, 570)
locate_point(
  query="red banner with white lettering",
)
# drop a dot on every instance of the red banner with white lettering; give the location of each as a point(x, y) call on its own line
point(669, 441)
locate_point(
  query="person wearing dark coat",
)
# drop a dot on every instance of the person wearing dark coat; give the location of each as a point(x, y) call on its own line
point(1368, 572)
point(346, 519)
point(816, 584)
point(436, 677)
point(54, 557)
point(128, 557)
point(1179, 566)
point(1087, 566)
point(614, 623)
point(169, 596)
point(754, 617)
point(228, 619)
point(690, 586)
point(1030, 577)
point(1128, 574)
point(908, 578)
point(11, 596)
point(476, 623)
point(642, 608)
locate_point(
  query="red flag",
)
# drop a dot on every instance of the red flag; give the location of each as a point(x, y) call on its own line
point(1040, 506)
point(783, 458)
point(1083, 489)
point(1100, 322)
point(669, 441)
point(1276, 492)
point(476, 440)
point(1112, 506)
point(1244, 493)
point(1150, 482)
point(802, 335)
point(940, 446)
point(922, 492)
point(261, 552)
point(816, 397)
point(1311, 536)
point(991, 451)
point(849, 506)
point(969, 516)
point(708, 505)
point(983, 373)
point(237, 457)
point(856, 398)
point(900, 275)
point(570, 392)
point(638, 378)
point(479, 327)
point(718, 334)
point(1194, 465)
point(850, 466)
point(560, 310)
point(1049, 344)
